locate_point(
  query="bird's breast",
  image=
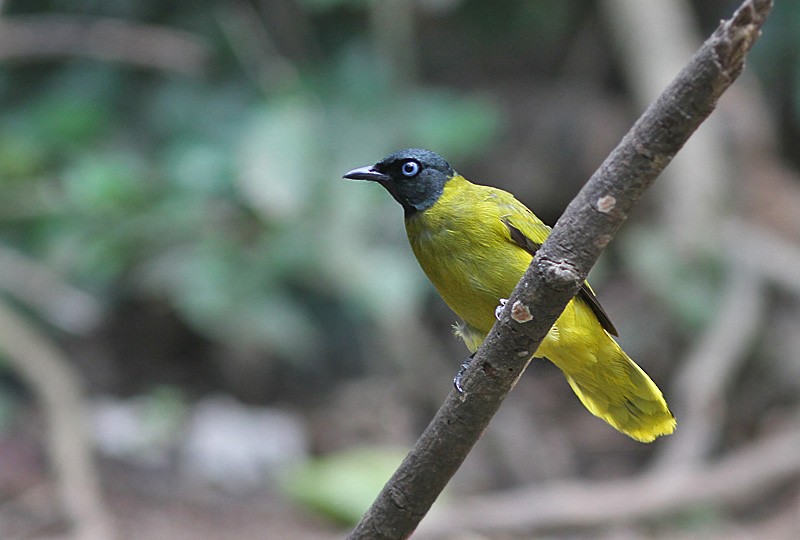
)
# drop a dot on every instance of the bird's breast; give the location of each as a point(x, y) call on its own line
point(468, 259)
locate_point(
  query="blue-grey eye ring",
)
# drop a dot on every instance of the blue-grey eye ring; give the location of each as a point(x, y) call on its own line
point(410, 168)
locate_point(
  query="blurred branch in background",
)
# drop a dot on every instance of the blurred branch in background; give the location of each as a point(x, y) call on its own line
point(740, 476)
point(38, 287)
point(654, 38)
point(756, 258)
point(36, 37)
point(710, 369)
point(392, 28)
point(768, 253)
point(254, 47)
point(58, 388)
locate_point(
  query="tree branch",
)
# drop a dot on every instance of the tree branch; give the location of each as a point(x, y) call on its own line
point(41, 289)
point(557, 272)
point(58, 36)
point(58, 389)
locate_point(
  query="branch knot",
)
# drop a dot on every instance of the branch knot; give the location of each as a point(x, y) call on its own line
point(559, 275)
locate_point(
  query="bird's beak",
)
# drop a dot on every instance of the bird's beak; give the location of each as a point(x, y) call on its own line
point(366, 173)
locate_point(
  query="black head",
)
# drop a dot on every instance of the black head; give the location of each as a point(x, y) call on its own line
point(415, 177)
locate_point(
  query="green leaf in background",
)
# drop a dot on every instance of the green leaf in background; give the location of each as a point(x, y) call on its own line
point(456, 125)
point(279, 156)
point(107, 182)
point(21, 156)
point(199, 168)
point(225, 200)
point(342, 486)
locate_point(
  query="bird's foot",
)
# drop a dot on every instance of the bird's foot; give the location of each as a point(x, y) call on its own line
point(461, 371)
point(499, 309)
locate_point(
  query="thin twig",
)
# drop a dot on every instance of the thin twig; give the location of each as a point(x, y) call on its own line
point(557, 272)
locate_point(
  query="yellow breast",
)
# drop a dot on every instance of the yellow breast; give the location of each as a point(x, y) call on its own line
point(466, 251)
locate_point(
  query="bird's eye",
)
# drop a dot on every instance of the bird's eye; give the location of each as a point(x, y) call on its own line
point(410, 168)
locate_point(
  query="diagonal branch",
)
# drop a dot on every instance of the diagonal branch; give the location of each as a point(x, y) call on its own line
point(557, 272)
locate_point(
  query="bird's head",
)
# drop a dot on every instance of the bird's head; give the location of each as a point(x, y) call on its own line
point(415, 177)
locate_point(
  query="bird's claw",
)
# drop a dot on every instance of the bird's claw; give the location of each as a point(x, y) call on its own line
point(499, 309)
point(460, 374)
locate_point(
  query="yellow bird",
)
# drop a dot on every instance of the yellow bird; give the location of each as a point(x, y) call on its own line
point(474, 243)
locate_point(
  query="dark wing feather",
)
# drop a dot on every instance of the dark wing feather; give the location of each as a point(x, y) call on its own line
point(585, 293)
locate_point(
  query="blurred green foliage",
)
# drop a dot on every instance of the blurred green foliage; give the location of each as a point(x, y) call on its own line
point(688, 289)
point(219, 195)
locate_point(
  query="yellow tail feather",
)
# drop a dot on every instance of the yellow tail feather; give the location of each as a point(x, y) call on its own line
point(618, 391)
point(608, 383)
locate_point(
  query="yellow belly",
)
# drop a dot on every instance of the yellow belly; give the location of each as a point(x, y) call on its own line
point(473, 287)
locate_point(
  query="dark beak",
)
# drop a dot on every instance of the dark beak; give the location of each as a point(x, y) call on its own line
point(366, 173)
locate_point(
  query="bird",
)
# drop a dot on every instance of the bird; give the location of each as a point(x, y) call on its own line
point(474, 243)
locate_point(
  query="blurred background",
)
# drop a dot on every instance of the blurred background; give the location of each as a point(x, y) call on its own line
point(206, 333)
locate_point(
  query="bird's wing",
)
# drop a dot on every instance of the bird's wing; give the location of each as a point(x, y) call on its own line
point(529, 232)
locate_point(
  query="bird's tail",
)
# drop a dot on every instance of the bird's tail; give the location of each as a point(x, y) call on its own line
point(617, 390)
